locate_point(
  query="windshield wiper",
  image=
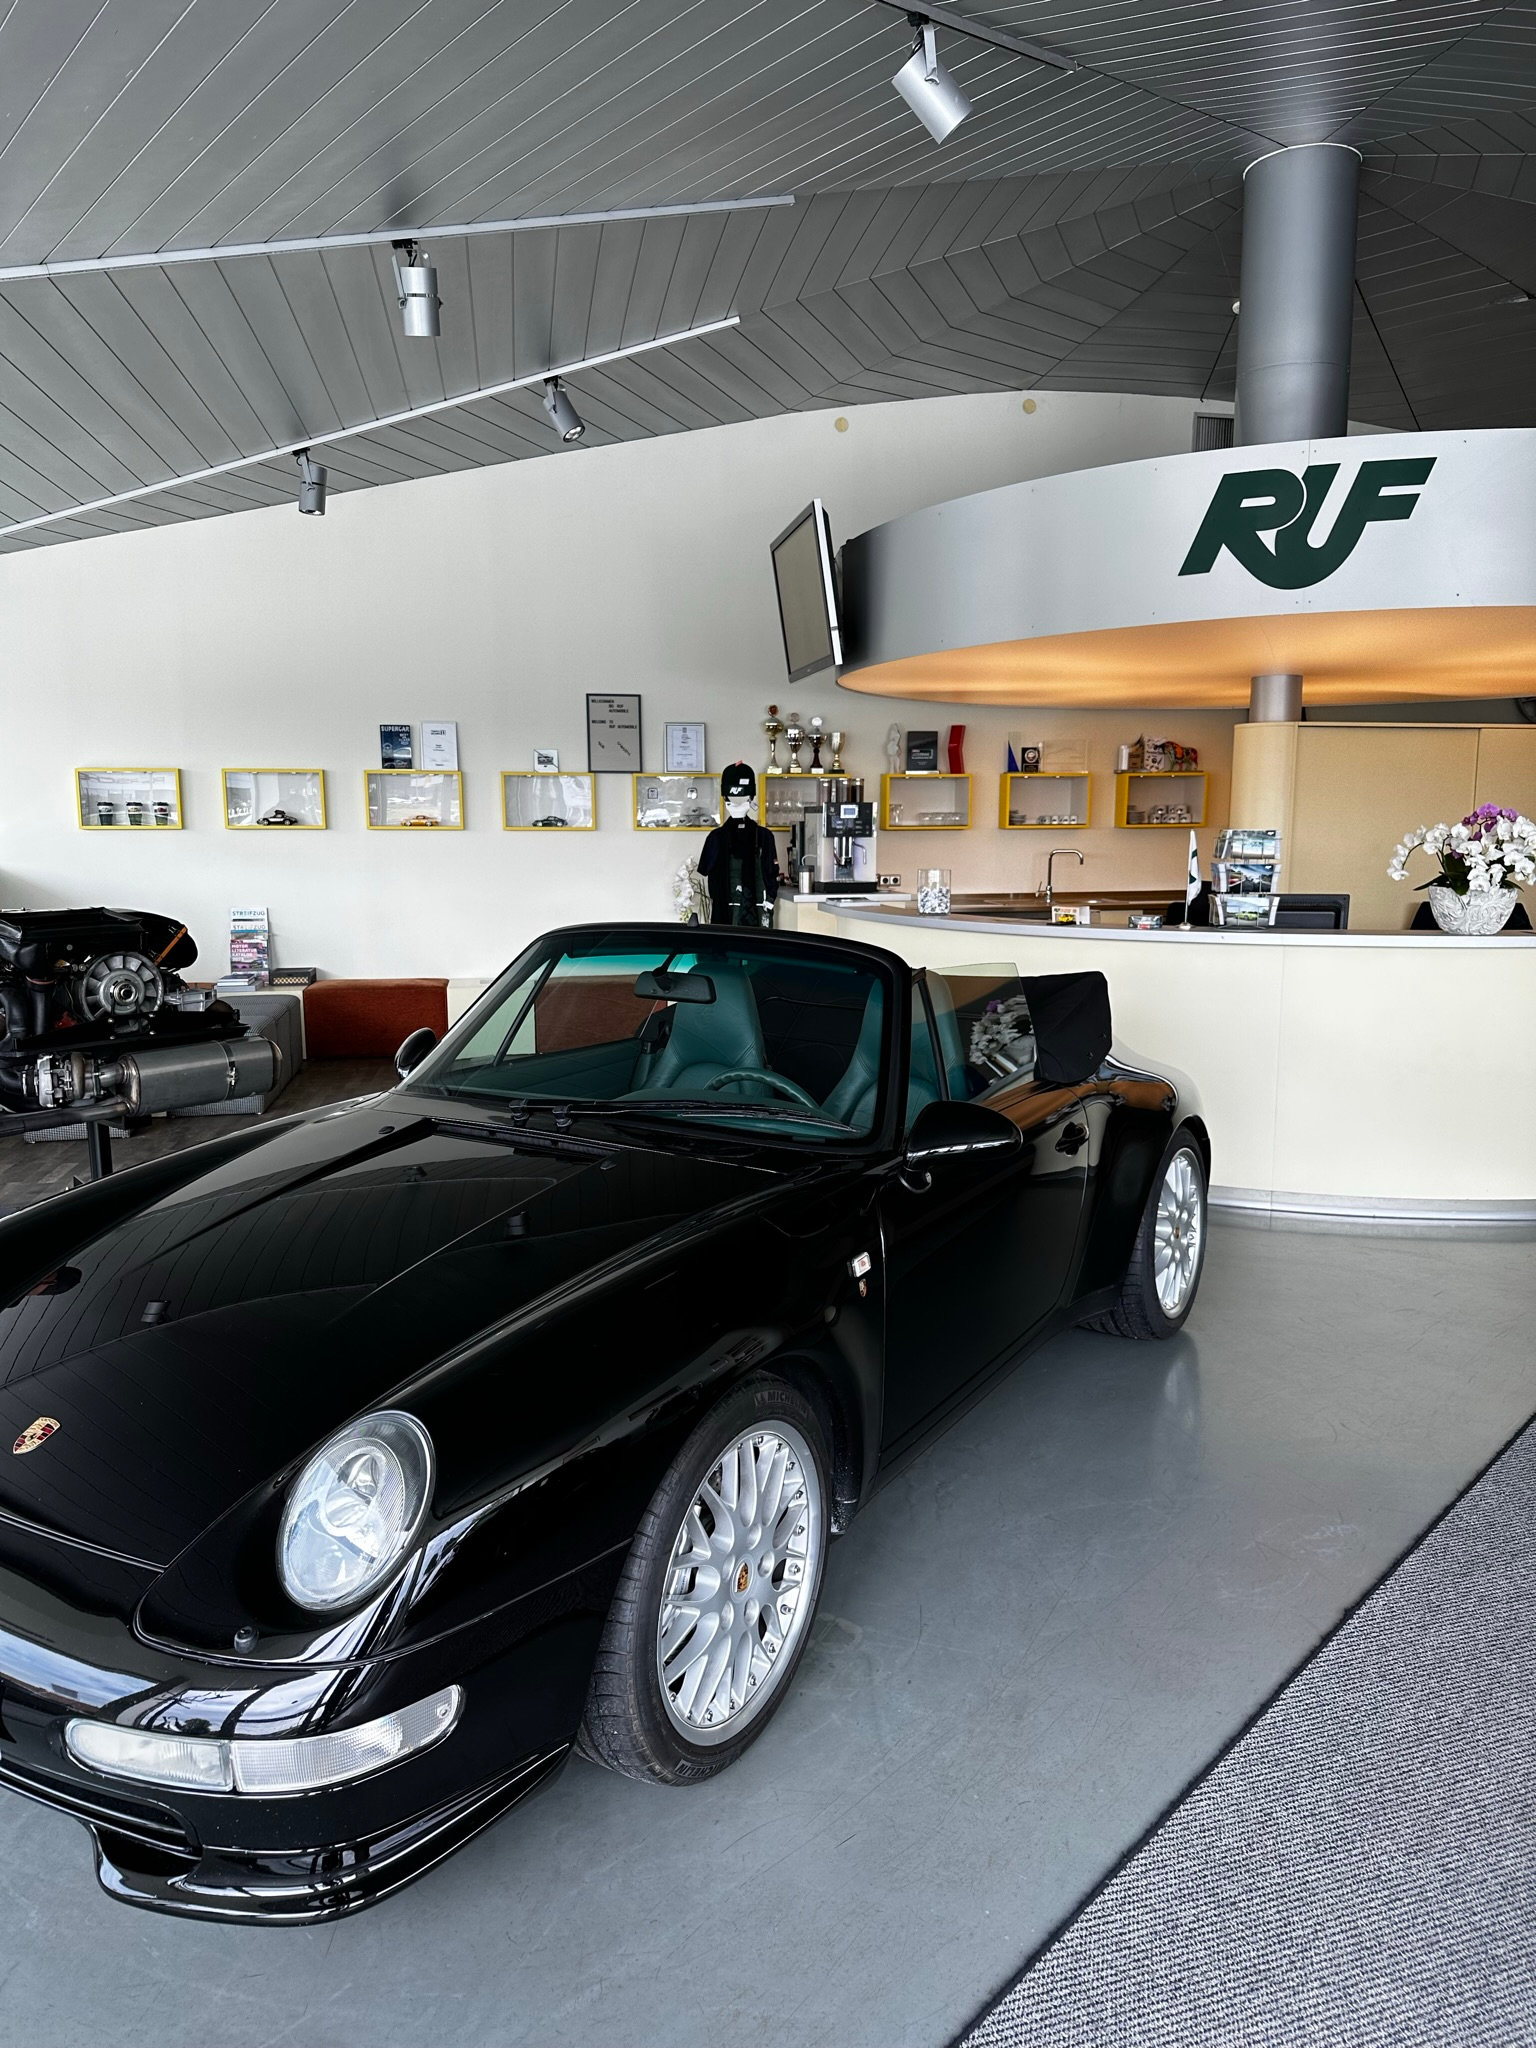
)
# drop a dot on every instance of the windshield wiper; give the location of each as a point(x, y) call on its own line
point(517, 1108)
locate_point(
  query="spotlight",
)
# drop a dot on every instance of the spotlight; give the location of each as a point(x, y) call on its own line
point(416, 286)
point(927, 87)
point(565, 419)
point(311, 483)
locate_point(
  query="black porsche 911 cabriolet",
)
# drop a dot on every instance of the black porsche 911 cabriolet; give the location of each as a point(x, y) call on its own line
point(363, 1464)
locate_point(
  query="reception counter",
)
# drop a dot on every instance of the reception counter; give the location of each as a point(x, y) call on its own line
point(1351, 1080)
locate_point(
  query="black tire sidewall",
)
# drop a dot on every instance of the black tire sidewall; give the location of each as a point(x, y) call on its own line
point(758, 1402)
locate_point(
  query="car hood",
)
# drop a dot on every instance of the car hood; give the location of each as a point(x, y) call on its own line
point(214, 1333)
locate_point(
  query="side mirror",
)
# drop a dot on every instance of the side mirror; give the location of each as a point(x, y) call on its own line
point(958, 1130)
point(414, 1050)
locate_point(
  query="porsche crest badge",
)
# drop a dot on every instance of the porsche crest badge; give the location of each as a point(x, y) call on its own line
point(34, 1434)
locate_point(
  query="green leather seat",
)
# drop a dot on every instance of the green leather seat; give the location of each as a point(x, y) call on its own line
point(705, 1041)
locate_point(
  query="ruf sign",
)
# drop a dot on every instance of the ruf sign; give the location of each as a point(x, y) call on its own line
point(1252, 502)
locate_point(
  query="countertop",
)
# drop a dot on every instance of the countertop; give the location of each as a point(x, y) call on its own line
point(877, 913)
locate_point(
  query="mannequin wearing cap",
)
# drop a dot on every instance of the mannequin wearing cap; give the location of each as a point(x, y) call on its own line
point(740, 861)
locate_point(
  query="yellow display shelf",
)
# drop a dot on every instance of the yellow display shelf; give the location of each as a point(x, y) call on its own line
point(675, 803)
point(111, 790)
point(575, 806)
point(1158, 789)
point(380, 801)
point(906, 792)
point(1077, 800)
point(314, 777)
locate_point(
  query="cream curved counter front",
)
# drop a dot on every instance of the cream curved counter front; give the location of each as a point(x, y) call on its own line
point(1356, 1077)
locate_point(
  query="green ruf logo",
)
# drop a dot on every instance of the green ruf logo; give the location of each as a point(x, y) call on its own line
point(1250, 502)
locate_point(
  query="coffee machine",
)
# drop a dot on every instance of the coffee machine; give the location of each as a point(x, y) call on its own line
point(832, 843)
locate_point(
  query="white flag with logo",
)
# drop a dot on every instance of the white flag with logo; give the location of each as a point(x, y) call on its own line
point(1192, 885)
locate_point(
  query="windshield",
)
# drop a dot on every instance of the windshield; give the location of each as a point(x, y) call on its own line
point(780, 1040)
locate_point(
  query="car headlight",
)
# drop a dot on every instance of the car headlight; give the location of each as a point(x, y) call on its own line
point(354, 1511)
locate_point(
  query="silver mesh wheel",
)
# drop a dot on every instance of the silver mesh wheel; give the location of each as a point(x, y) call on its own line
point(1180, 1229)
point(740, 1585)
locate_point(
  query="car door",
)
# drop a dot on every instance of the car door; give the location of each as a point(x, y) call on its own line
point(979, 1256)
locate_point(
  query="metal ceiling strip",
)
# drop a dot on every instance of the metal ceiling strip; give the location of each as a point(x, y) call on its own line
point(368, 426)
point(962, 25)
point(161, 259)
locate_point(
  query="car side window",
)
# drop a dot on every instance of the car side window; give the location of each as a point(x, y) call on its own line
point(985, 1033)
point(923, 1084)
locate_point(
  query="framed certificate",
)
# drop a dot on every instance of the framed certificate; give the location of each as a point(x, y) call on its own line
point(439, 746)
point(684, 749)
point(613, 734)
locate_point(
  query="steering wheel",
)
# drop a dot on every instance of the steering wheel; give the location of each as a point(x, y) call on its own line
point(780, 1081)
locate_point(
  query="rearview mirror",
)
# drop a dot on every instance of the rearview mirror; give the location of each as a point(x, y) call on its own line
point(958, 1130)
point(413, 1050)
point(675, 987)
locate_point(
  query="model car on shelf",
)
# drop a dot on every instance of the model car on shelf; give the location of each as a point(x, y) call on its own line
point(367, 1463)
point(277, 816)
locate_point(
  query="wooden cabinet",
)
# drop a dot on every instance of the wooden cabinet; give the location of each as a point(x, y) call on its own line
point(1342, 796)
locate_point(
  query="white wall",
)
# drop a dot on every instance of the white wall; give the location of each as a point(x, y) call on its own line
point(498, 597)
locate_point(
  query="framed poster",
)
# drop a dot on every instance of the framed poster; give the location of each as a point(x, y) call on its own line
point(439, 746)
point(546, 760)
point(613, 734)
point(395, 748)
point(684, 749)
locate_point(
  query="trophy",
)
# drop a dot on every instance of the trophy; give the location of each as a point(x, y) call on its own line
point(794, 733)
point(837, 739)
point(773, 725)
point(817, 723)
point(893, 748)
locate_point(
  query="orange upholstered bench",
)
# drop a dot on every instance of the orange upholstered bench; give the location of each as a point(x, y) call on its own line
point(368, 1019)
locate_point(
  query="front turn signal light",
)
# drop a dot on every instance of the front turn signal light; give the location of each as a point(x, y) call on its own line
point(266, 1768)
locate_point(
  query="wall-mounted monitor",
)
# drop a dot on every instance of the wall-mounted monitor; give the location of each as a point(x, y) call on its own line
point(802, 574)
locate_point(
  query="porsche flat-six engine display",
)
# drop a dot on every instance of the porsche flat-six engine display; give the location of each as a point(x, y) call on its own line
point(97, 1019)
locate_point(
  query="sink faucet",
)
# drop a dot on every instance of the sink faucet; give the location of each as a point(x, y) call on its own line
point(1050, 863)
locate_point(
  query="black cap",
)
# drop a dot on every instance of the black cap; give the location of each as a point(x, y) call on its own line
point(738, 780)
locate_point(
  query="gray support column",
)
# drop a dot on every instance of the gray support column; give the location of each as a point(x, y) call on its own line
point(1296, 305)
point(1274, 700)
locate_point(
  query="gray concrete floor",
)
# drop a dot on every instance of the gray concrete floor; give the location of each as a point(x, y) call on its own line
point(1028, 1645)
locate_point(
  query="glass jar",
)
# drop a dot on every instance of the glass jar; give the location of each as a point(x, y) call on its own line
point(933, 891)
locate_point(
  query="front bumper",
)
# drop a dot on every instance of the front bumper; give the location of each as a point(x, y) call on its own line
point(147, 1856)
point(308, 1856)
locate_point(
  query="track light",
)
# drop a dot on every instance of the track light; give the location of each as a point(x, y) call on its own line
point(565, 419)
point(416, 287)
point(927, 87)
point(311, 483)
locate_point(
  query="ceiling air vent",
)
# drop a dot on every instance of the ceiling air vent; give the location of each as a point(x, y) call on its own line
point(1211, 430)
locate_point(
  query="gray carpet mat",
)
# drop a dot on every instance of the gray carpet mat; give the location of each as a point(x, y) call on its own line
point(1359, 1867)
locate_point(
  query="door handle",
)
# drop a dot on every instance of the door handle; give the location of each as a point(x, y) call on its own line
point(1073, 1139)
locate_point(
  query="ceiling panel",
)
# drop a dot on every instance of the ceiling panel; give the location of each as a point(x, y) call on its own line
point(1080, 230)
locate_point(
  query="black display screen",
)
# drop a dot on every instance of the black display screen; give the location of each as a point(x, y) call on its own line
point(802, 573)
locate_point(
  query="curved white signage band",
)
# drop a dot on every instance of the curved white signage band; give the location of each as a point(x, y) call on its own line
point(1384, 566)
